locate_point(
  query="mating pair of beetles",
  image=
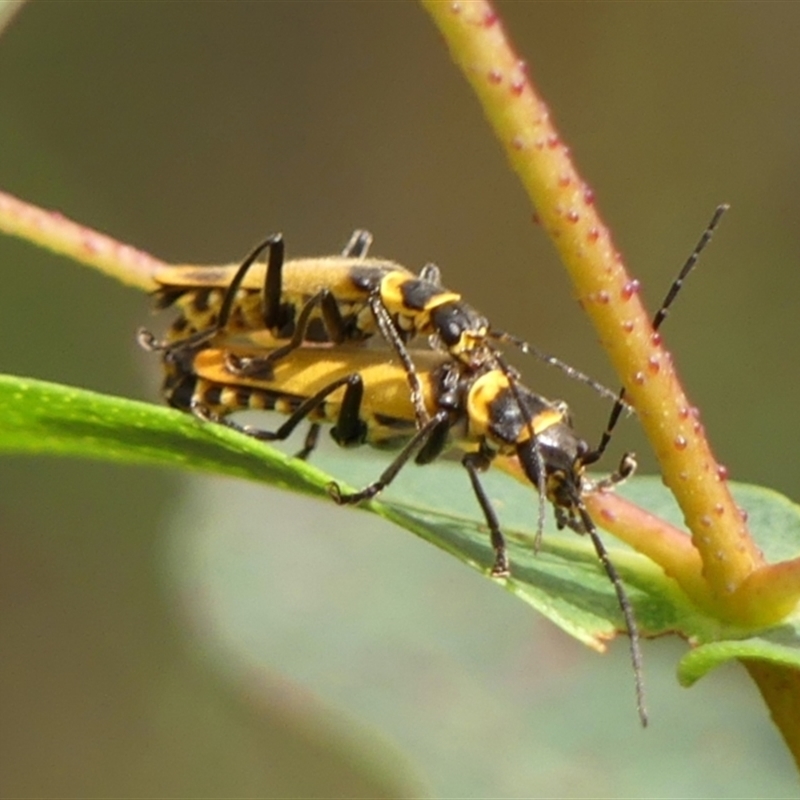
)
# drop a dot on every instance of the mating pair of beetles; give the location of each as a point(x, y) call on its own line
point(293, 336)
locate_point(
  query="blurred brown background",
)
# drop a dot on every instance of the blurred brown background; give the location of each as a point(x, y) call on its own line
point(173, 636)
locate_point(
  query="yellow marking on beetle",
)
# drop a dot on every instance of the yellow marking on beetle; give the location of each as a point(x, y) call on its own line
point(486, 391)
point(541, 422)
point(309, 370)
point(391, 292)
point(483, 392)
point(302, 275)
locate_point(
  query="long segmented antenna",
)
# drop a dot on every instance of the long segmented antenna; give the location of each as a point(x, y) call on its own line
point(571, 372)
point(659, 317)
point(625, 606)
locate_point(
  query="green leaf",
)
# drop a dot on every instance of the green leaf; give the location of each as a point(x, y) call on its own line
point(564, 581)
point(780, 645)
point(40, 417)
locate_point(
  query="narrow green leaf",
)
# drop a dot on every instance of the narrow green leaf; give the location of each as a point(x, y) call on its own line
point(779, 646)
point(41, 417)
point(564, 581)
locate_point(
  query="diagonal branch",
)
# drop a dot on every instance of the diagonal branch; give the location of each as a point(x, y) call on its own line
point(567, 211)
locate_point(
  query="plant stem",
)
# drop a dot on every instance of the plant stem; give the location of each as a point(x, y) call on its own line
point(53, 231)
point(567, 211)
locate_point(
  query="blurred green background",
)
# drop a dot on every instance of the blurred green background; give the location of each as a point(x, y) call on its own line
point(172, 636)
